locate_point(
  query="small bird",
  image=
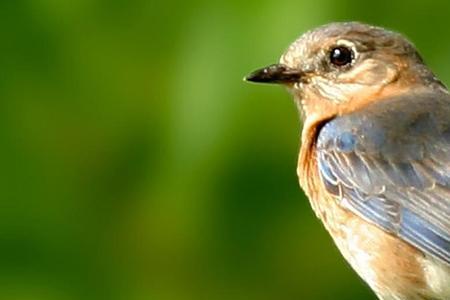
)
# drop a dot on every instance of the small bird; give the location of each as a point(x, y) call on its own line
point(375, 154)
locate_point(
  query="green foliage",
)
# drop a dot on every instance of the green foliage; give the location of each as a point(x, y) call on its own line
point(136, 164)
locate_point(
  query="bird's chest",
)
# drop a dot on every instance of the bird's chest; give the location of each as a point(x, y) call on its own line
point(362, 244)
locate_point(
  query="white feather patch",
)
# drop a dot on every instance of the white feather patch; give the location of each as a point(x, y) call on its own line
point(437, 276)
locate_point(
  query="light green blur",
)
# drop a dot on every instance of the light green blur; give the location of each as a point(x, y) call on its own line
point(136, 164)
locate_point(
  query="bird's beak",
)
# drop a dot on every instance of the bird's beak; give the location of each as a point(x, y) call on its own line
point(277, 73)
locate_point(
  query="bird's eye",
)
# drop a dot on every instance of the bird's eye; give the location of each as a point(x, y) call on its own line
point(341, 56)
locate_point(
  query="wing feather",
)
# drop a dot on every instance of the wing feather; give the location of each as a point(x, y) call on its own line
point(390, 164)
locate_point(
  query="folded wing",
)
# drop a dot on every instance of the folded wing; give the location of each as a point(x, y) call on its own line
point(390, 164)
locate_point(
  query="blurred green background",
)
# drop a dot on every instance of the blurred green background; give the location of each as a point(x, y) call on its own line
point(136, 163)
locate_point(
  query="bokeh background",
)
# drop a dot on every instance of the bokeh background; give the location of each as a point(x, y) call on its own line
point(136, 163)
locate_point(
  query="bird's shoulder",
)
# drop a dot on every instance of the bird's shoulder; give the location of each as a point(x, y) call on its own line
point(394, 128)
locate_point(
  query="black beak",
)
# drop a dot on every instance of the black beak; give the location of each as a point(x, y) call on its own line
point(277, 73)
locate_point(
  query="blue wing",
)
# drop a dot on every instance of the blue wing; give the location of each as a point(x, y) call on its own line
point(390, 164)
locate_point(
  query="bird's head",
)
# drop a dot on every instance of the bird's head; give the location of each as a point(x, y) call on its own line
point(340, 67)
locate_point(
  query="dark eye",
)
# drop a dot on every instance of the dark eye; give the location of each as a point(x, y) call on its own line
point(341, 56)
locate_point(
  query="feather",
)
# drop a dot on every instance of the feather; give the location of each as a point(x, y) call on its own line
point(390, 162)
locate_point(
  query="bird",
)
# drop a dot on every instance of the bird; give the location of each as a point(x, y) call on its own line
point(374, 158)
